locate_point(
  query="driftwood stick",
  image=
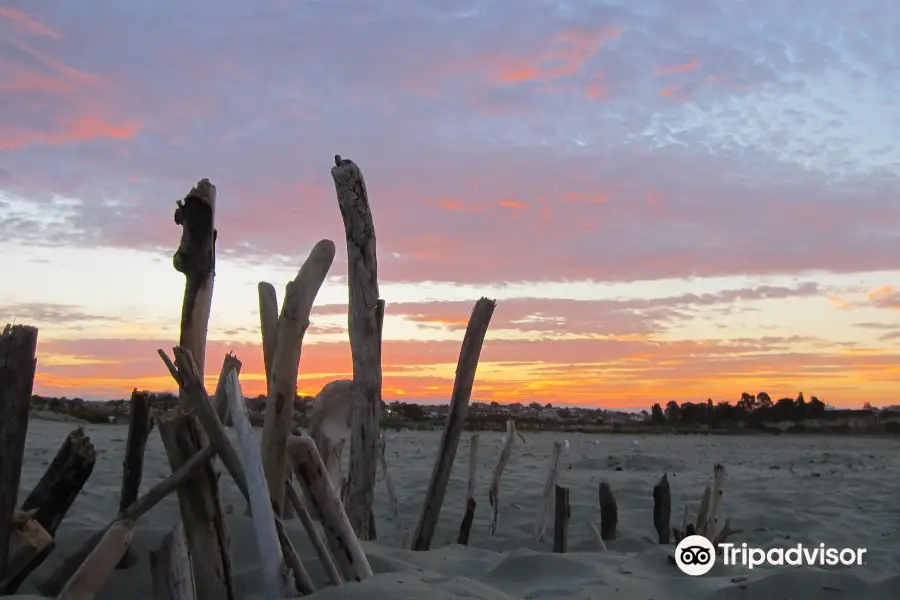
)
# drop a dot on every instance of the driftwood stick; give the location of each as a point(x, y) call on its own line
point(392, 494)
point(276, 575)
point(133, 465)
point(141, 506)
point(296, 502)
point(609, 512)
point(311, 474)
point(725, 533)
point(54, 494)
point(465, 527)
point(540, 525)
point(201, 512)
point(598, 539)
point(300, 579)
point(713, 522)
point(172, 579)
point(702, 513)
point(662, 509)
point(92, 574)
point(365, 341)
point(18, 344)
point(28, 542)
point(456, 420)
point(292, 325)
point(230, 363)
point(268, 324)
point(494, 492)
point(561, 520)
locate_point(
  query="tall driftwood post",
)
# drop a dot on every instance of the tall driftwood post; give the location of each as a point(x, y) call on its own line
point(18, 344)
point(540, 525)
point(133, 466)
point(364, 324)
point(469, 354)
point(205, 529)
point(609, 512)
point(509, 443)
point(561, 520)
point(292, 325)
point(662, 509)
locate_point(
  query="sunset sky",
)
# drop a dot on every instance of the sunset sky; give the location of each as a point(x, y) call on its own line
point(670, 200)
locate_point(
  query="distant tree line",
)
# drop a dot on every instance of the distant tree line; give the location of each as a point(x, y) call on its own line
point(754, 408)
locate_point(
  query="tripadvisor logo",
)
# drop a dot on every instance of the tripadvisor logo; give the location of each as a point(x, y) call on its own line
point(695, 555)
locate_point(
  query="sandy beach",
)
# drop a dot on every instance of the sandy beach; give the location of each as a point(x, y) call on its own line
point(785, 490)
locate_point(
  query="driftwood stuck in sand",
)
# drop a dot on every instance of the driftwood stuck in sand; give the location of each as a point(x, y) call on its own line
point(709, 515)
point(311, 474)
point(365, 316)
point(456, 420)
point(540, 525)
point(292, 325)
point(392, 494)
point(92, 573)
point(28, 542)
point(561, 516)
point(662, 509)
point(133, 465)
point(309, 526)
point(18, 344)
point(230, 363)
point(465, 527)
point(329, 425)
point(598, 539)
point(609, 512)
point(494, 493)
point(172, 579)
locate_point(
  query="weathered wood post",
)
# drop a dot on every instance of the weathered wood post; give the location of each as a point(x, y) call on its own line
point(561, 516)
point(365, 313)
point(494, 493)
point(469, 354)
point(133, 465)
point(662, 509)
point(18, 345)
point(465, 528)
point(540, 525)
point(609, 512)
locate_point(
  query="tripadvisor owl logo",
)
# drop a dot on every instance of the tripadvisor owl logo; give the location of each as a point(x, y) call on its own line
point(695, 555)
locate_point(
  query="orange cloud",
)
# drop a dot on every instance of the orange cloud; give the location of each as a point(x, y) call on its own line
point(885, 297)
point(78, 129)
point(456, 205)
point(841, 303)
point(684, 68)
point(514, 204)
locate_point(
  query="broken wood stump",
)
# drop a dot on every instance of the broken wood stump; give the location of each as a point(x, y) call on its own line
point(609, 513)
point(465, 527)
point(28, 541)
point(561, 514)
point(133, 465)
point(662, 509)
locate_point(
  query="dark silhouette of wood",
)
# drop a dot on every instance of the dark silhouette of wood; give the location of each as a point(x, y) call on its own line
point(561, 514)
point(469, 354)
point(662, 509)
point(18, 344)
point(365, 341)
point(465, 528)
point(609, 513)
point(54, 494)
point(133, 465)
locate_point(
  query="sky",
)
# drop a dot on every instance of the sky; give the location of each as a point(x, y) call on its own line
point(668, 200)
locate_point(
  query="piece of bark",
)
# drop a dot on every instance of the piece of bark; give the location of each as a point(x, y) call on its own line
point(92, 574)
point(28, 541)
point(277, 578)
point(230, 363)
point(311, 474)
point(292, 325)
point(549, 494)
point(365, 312)
point(302, 512)
point(201, 512)
point(494, 492)
point(609, 512)
point(662, 509)
point(172, 579)
point(465, 527)
point(133, 465)
point(469, 354)
point(561, 516)
point(18, 344)
point(52, 497)
point(142, 506)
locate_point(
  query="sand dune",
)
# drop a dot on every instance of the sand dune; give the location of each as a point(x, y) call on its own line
point(783, 490)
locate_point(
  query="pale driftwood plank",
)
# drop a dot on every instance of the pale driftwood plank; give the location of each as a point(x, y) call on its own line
point(92, 574)
point(494, 493)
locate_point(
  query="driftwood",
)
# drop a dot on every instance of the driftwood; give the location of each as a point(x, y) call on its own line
point(598, 539)
point(392, 494)
point(92, 573)
point(465, 527)
point(268, 324)
point(292, 325)
point(494, 493)
point(703, 511)
point(172, 579)
point(201, 512)
point(276, 575)
point(133, 465)
point(662, 509)
point(561, 520)
point(713, 521)
point(311, 474)
point(329, 425)
point(456, 420)
point(142, 506)
point(231, 363)
point(306, 520)
point(28, 541)
point(365, 315)
point(18, 344)
point(609, 512)
point(540, 525)
point(54, 494)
